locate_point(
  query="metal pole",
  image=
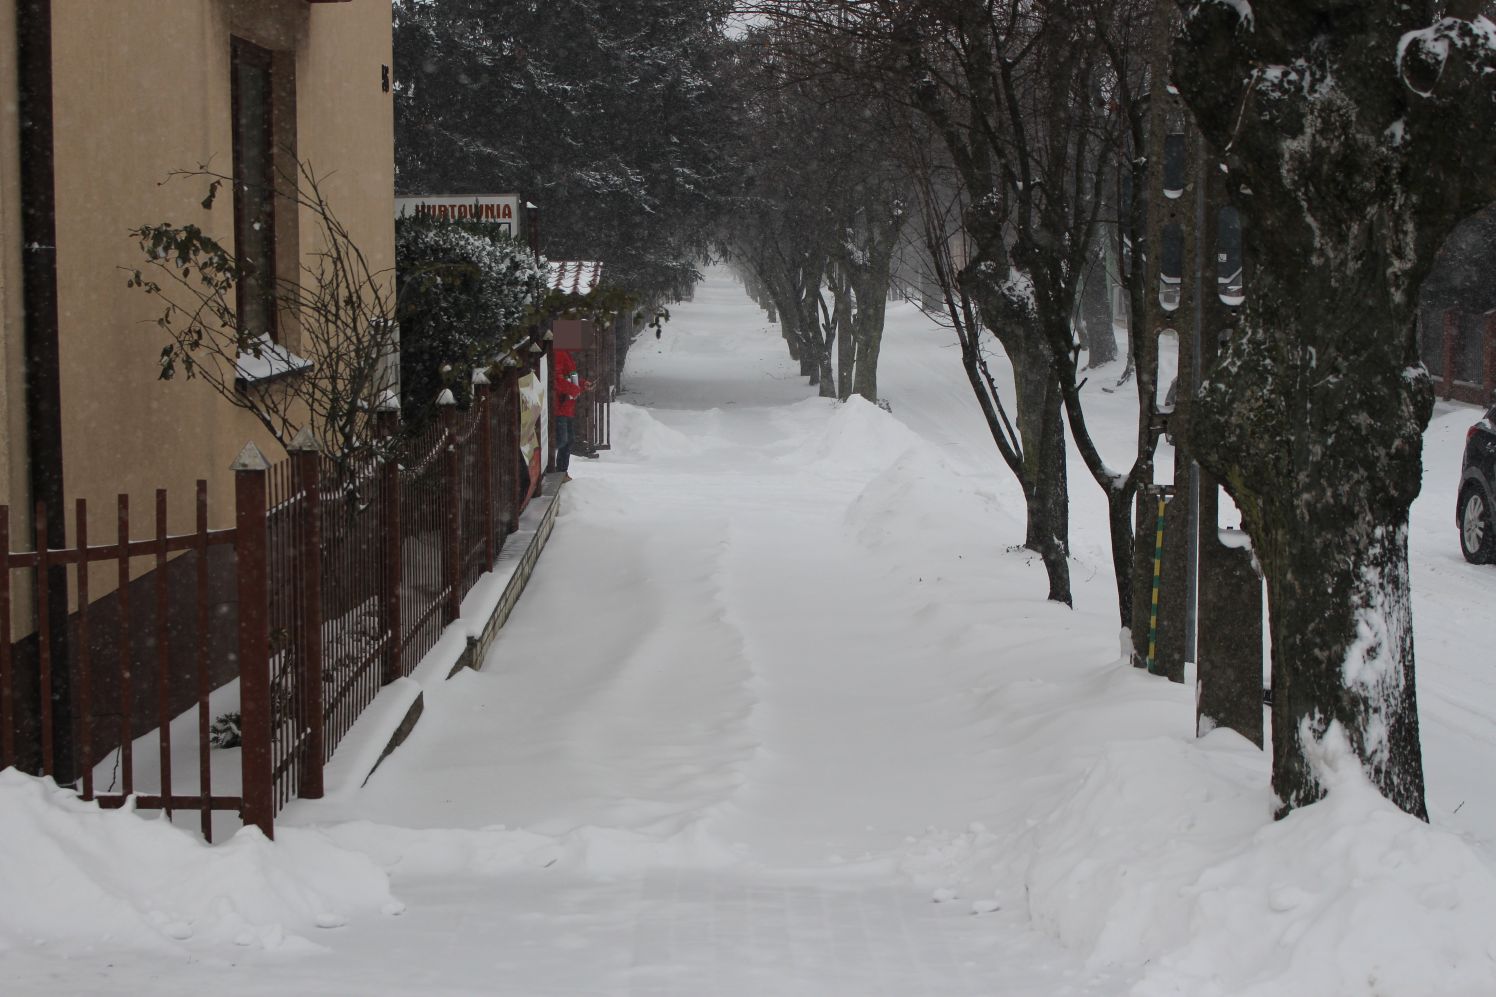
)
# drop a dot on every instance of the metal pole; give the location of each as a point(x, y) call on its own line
point(1204, 285)
point(306, 458)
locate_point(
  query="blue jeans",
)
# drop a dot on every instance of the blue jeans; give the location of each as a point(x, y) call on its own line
point(566, 434)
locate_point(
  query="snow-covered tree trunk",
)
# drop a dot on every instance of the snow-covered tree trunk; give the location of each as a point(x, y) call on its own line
point(869, 333)
point(871, 285)
point(1358, 135)
point(784, 303)
point(1315, 415)
point(1093, 310)
point(815, 359)
point(846, 344)
point(1041, 424)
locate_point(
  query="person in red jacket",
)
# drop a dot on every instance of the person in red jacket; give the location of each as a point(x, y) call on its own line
point(567, 386)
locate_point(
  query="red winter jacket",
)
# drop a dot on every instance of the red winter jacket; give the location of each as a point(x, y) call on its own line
point(565, 389)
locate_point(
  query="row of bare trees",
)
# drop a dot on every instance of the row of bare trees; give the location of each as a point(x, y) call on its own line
point(819, 212)
point(1010, 140)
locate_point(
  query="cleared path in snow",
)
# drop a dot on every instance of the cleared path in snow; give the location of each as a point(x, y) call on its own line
point(730, 727)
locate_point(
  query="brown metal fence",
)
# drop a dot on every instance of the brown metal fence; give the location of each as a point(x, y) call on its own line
point(424, 507)
point(477, 527)
point(139, 665)
point(509, 475)
point(331, 584)
point(357, 633)
point(595, 410)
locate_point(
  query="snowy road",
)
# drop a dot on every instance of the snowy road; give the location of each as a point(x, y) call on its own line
point(784, 713)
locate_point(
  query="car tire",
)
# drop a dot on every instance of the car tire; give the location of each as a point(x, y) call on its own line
point(1477, 536)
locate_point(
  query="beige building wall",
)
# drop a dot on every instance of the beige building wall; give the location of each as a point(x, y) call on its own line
point(142, 88)
point(346, 128)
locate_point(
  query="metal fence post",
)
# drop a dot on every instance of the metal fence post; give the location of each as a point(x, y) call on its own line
point(484, 407)
point(250, 469)
point(388, 420)
point(509, 434)
point(452, 514)
point(306, 465)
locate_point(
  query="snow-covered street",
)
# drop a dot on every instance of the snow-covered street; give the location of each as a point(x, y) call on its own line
point(784, 712)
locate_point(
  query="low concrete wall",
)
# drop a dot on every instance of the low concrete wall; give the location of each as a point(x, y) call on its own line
point(516, 565)
point(524, 567)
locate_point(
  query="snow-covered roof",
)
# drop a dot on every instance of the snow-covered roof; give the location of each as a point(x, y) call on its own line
point(575, 276)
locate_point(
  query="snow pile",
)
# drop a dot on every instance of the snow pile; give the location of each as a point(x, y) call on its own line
point(1109, 867)
point(923, 504)
point(1350, 896)
point(638, 435)
point(1163, 858)
point(75, 874)
point(857, 435)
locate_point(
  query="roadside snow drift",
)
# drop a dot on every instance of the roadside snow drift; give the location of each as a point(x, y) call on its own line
point(76, 877)
point(1163, 859)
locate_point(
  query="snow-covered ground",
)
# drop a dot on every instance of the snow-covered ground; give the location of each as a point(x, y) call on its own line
point(784, 712)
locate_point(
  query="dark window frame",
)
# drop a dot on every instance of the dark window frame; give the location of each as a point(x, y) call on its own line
point(246, 54)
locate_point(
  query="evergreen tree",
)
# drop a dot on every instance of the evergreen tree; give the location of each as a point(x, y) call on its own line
point(605, 113)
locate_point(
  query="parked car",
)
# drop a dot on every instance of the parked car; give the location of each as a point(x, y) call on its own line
point(1477, 502)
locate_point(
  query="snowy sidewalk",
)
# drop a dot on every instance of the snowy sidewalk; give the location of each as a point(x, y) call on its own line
point(732, 743)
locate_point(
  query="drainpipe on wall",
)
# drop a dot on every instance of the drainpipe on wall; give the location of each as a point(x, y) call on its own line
point(42, 377)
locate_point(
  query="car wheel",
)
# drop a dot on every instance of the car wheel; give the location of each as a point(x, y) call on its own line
point(1477, 537)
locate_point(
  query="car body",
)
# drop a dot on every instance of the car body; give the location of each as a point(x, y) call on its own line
point(1476, 503)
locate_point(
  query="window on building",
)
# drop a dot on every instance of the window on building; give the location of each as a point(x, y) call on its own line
point(254, 186)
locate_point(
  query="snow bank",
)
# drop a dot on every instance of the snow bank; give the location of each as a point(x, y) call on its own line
point(1164, 857)
point(856, 435)
point(1110, 866)
point(1350, 896)
point(923, 504)
point(78, 877)
point(638, 435)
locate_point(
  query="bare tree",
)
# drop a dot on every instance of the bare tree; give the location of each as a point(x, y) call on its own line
point(1027, 99)
point(342, 370)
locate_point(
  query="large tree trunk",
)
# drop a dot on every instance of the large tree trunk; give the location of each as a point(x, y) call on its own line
point(846, 343)
point(1095, 311)
point(813, 357)
point(869, 332)
point(1349, 172)
point(1342, 638)
point(872, 307)
point(1038, 408)
point(1314, 419)
point(1042, 426)
point(788, 323)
